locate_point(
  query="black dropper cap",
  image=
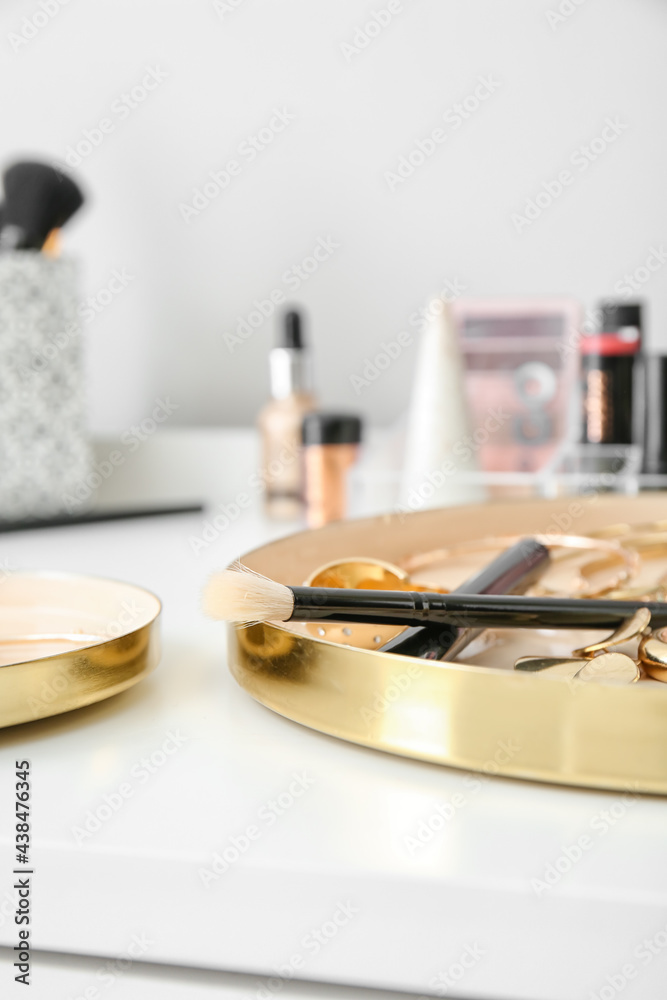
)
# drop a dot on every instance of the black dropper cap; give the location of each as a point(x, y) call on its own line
point(293, 331)
point(331, 428)
point(616, 315)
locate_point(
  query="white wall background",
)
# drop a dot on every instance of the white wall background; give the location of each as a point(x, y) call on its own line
point(227, 69)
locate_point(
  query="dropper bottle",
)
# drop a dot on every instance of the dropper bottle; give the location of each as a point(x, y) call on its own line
point(281, 418)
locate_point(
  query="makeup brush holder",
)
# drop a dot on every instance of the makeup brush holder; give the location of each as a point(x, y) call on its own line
point(45, 454)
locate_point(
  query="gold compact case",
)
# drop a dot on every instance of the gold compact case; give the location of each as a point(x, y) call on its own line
point(606, 728)
point(67, 641)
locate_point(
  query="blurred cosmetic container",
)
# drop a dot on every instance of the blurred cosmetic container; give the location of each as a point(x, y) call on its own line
point(331, 446)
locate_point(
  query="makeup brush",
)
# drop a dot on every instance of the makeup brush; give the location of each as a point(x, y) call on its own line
point(38, 198)
point(246, 598)
point(512, 572)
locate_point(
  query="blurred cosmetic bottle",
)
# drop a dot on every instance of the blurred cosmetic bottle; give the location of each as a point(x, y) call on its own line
point(331, 447)
point(280, 421)
point(610, 368)
point(440, 467)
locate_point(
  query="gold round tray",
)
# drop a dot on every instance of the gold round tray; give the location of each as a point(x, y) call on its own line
point(520, 725)
point(67, 641)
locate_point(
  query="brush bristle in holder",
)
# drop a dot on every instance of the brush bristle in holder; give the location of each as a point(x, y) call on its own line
point(38, 198)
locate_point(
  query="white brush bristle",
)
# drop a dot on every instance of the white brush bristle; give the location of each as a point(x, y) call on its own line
point(246, 597)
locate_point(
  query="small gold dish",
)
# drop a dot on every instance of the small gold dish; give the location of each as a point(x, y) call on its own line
point(67, 641)
point(363, 574)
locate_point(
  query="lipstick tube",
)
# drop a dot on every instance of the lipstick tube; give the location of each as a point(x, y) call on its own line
point(608, 375)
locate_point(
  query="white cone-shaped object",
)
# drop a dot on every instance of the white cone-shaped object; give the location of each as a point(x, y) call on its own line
point(438, 454)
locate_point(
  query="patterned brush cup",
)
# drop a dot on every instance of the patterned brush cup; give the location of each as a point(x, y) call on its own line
point(45, 454)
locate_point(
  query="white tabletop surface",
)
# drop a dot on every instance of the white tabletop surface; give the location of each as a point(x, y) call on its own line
point(331, 889)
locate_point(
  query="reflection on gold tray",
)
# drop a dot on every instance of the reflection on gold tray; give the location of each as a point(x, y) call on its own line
point(480, 714)
point(67, 641)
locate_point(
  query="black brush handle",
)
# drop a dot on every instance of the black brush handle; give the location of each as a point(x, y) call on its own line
point(396, 607)
point(511, 572)
point(93, 516)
